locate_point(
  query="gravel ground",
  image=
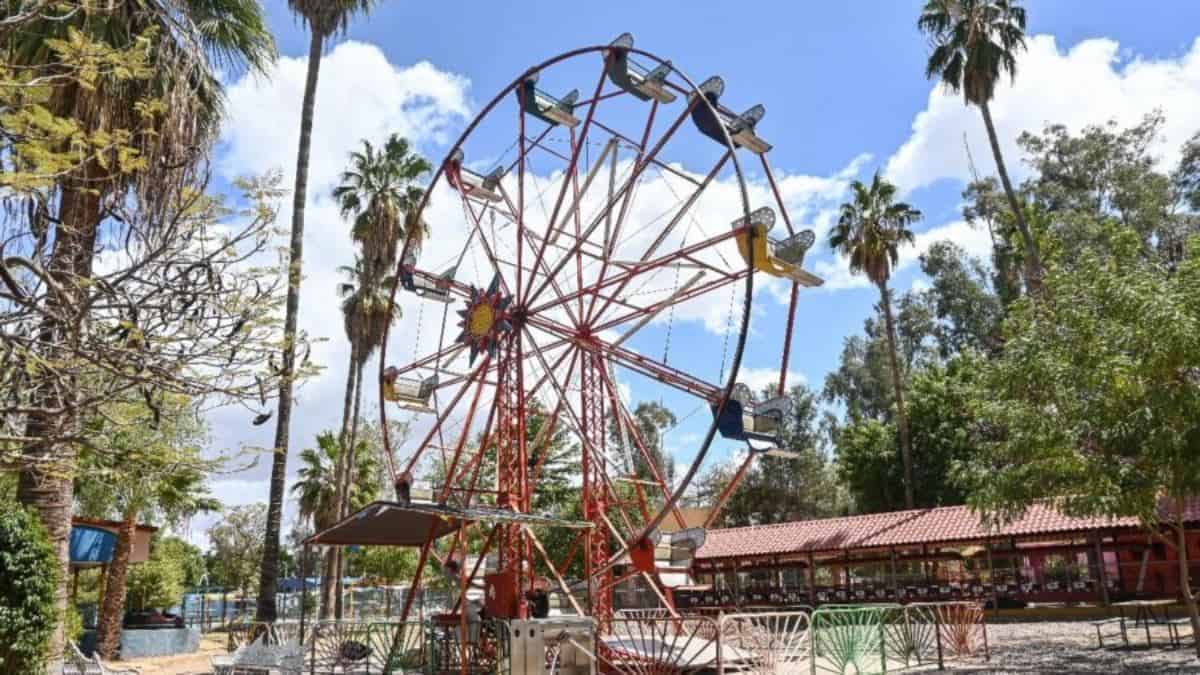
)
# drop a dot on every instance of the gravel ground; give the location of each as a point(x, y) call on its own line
point(1070, 647)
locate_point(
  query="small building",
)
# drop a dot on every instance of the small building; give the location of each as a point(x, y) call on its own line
point(94, 541)
point(936, 554)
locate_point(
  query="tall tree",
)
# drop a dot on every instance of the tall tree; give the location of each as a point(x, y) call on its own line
point(869, 232)
point(1112, 353)
point(367, 308)
point(323, 18)
point(162, 119)
point(379, 194)
point(975, 43)
point(237, 544)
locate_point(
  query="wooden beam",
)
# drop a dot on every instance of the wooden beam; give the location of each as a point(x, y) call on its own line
point(1103, 574)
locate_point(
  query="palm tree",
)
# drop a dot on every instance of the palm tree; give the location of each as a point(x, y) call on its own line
point(323, 18)
point(316, 492)
point(378, 193)
point(869, 232)
point(366, 311)
point(232, 34)
point(975, 42)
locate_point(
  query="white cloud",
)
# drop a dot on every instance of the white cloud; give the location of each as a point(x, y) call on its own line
point(361, 96)
point(974, 240)
point(1089, 83)
point(761, 378)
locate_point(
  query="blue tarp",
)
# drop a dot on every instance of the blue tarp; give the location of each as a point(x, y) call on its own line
point(91, 545)
point(292, 584)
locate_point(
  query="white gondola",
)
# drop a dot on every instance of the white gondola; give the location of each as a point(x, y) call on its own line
point(546, 107)
point(423, 287)
point(470, 183)
point(776, 257)
point(741, 128)
point(634, 79)
point(411, 395)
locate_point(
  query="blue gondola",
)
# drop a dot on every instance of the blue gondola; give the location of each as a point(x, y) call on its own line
point(740, 127)
point(759, 424)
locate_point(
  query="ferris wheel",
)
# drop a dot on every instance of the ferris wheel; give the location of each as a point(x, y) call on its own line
point(567, 243)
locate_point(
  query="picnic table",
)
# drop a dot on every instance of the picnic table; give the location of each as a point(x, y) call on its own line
point(1144, 613)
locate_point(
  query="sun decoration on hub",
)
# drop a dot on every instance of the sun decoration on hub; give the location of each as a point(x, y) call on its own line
point(485, 319)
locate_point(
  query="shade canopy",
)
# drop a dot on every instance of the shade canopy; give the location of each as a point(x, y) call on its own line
point(395, 524)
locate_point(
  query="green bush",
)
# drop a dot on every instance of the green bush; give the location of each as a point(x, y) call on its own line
point(28, 580)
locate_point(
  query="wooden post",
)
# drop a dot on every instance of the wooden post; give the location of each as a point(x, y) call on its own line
point(925, 562)
point(1141, 580)
point(1103, 573)
point(812, 580)
point(987, 548)
point(895, 586)
point(846, 576)
point(737, 583)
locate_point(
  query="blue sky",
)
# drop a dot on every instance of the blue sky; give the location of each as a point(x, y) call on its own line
point(845, 94)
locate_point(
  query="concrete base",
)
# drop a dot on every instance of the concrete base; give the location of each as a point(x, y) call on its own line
point(140, 642)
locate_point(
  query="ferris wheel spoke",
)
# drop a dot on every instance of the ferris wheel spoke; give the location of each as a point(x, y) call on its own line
point(557, 226)
point(462, 438)
point(531, 240)
point(692, 288)
point(572, 164)
point(615, 228)
point(562, 584)
point(637, 171)
point(432, 360)
point(476, 375)
point(657, 370)
point(666, 231)
point(487, 249)
point(636, 269)
point(626, 420)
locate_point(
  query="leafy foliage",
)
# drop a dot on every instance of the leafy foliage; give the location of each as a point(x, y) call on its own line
point(237, 545)
point(28, 578)
point(1094, 399)
point(174, 565)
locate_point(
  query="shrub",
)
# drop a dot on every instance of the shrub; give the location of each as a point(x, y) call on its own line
point(28, 580)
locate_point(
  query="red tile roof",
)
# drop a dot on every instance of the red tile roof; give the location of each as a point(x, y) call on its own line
point(945, 524)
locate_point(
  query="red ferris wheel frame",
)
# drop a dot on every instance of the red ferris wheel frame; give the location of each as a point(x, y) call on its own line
point(577, 349)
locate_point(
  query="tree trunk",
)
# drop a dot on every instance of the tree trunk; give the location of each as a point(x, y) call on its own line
point(328, 583)
point(341, 475)
point(1033, 258)
point(112, 606)
point(349, 479)
point(885, 299)
point(1185, 585)
point(354, 419)
point(46, 477)
point(269, 570)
